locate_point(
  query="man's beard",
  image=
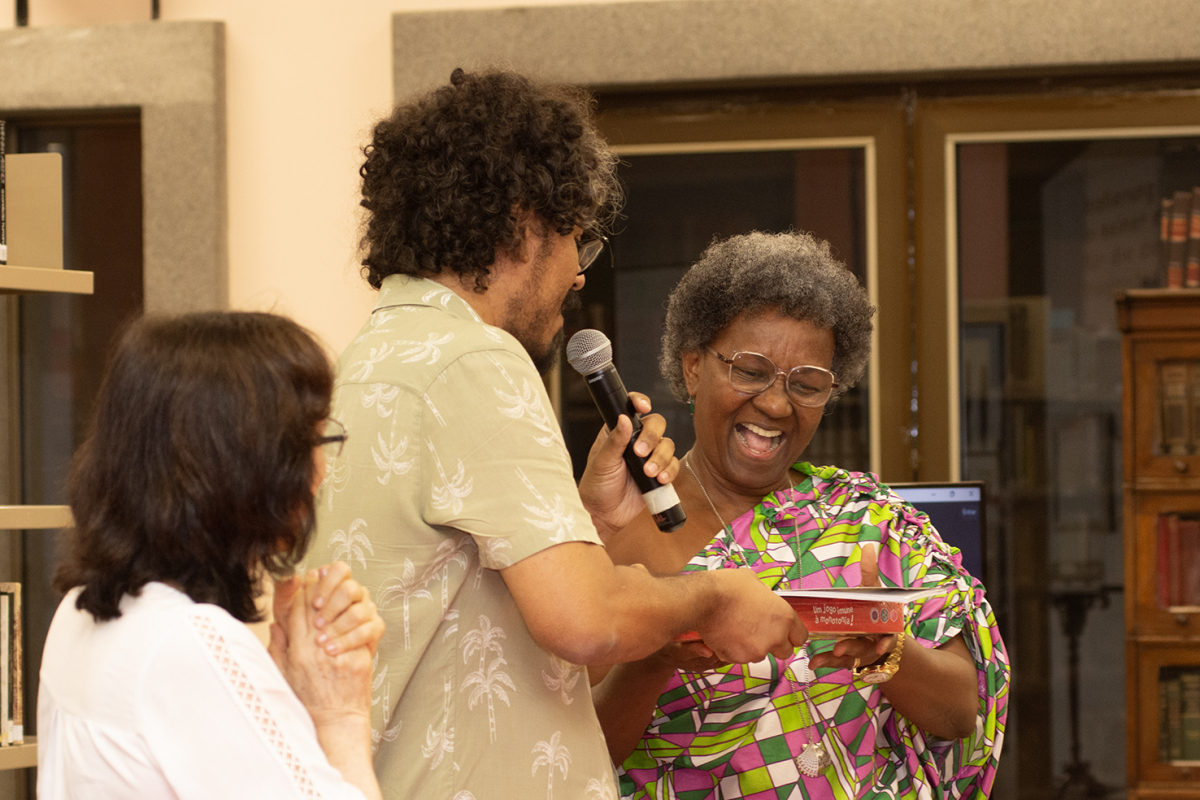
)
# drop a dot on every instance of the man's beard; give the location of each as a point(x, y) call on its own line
point(546, 360)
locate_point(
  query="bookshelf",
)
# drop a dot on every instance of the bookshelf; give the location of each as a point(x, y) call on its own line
point(35, 265)
point(1161, 410)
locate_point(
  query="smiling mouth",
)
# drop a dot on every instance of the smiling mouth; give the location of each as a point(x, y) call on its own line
point(756, 439)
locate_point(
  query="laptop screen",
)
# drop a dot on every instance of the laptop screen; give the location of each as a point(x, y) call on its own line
point(956, 510)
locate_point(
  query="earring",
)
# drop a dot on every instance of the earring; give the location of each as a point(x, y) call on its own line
point(691, 405)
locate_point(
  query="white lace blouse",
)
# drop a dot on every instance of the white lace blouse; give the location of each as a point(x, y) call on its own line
point(173, 699)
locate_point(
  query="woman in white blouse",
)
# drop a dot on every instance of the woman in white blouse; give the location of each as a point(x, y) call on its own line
point(195, 482)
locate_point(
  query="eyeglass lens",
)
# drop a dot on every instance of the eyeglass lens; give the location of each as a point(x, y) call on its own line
point(807, 386)
point(589, 250)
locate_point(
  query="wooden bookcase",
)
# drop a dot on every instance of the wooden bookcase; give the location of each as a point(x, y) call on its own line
point(34, 205)
point(1161, 471)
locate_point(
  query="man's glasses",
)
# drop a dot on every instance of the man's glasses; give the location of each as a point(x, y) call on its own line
point(754, 373)
point(334, 433)
point(590, 247)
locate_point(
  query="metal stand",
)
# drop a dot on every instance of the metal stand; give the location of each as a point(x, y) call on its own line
point(1080, 784)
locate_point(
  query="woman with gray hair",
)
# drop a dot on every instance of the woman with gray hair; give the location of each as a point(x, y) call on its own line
point(761, 334)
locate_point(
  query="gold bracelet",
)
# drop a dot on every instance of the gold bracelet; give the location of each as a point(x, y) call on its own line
point(883, 672)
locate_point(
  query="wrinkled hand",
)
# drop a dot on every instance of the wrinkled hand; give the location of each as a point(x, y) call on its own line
point(859, 650)
point(607, 489)
point(750, 621)
point(345, 617)
point(331, 687)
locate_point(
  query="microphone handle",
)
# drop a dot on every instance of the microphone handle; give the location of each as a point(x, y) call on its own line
point(608, 391)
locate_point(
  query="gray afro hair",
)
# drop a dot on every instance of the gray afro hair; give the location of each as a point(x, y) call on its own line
point(793, 273)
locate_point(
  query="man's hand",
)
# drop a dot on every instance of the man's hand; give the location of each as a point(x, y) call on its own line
point(749, 620)
point(607, 489)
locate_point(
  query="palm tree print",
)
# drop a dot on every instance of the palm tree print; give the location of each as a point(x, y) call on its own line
point(387, 457)
point(407, 588)
point(449, 552)
point(527, 401)
point(452, 490)
point(439, 743)
point(600, 790)
point(380, 395)
point(565, 676)
point(552, 754)
point(548, 518)
point(350, 546)
point(421, 350)
point(489, 680)
point(367, 365)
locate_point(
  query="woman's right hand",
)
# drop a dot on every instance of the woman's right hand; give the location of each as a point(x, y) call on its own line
point(690, 656)
point(327, 684)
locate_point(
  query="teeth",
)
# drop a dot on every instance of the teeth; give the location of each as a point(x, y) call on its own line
point(750, 426)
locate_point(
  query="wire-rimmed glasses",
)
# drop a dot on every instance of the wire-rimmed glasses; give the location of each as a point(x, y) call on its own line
point(334, 433)
point(753, 373)
point(590, 246)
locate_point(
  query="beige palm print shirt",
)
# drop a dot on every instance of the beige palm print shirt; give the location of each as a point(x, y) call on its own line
point(455, 468)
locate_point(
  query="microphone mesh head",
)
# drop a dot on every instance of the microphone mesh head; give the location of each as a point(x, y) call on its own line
point(588, 351)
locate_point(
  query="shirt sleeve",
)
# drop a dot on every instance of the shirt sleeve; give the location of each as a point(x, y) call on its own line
point(495, 461)
point(222, 722)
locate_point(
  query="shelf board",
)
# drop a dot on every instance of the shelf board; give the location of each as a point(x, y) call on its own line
point(25, 280)
point(19, 756)
point(19, 518)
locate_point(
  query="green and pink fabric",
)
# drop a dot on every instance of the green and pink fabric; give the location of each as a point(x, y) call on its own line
point(733, 732)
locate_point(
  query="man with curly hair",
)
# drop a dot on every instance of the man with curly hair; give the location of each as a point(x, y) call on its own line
point(485, 201)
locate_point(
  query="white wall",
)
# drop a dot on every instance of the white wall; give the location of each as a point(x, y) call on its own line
point(305, 80)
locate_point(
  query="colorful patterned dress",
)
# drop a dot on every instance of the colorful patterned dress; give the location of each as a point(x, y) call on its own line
point(732, 732)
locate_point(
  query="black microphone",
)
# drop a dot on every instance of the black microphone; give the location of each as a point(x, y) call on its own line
point(590, 353)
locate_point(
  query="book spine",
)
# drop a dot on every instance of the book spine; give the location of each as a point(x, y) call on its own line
point(1173, 377)
point(1164, 237)
point(1174, 691)
point(1194, 405)
point(1190, 715)
point(1163, 568)
point(1181, 208)
point(17, 733)
point(1189, 561)
point(5, 668)
point(3, 201)
point(1191, 271)
point(1174, 584)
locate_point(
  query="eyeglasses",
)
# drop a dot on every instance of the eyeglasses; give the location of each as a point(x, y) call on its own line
point(754, 373)
point(335, 433)
point(590, 247)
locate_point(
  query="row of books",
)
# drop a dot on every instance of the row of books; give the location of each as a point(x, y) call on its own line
point(12, 729)
point(1179, 233)
point(3, 213)
point(1179, 714)
point(1179, 561)
point(1179, 403)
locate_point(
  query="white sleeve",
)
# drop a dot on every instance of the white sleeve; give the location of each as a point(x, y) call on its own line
point(222, 721)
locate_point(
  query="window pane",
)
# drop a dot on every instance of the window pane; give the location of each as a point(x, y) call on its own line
point(1048, 233)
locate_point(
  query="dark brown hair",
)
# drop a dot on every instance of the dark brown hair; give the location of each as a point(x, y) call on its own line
point(198, 466)
point(444, 173)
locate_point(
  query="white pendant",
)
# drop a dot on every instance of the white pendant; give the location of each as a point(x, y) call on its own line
point(813, 760)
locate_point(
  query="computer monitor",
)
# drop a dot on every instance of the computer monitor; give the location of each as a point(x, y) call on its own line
point(956, 510)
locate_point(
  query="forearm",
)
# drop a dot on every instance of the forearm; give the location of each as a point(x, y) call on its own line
point(936, 689)
point(625, 702)
point(346, 740)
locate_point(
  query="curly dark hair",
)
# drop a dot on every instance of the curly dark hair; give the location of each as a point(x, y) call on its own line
point(794, 273)
point(198, 465)
point(444, 173)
